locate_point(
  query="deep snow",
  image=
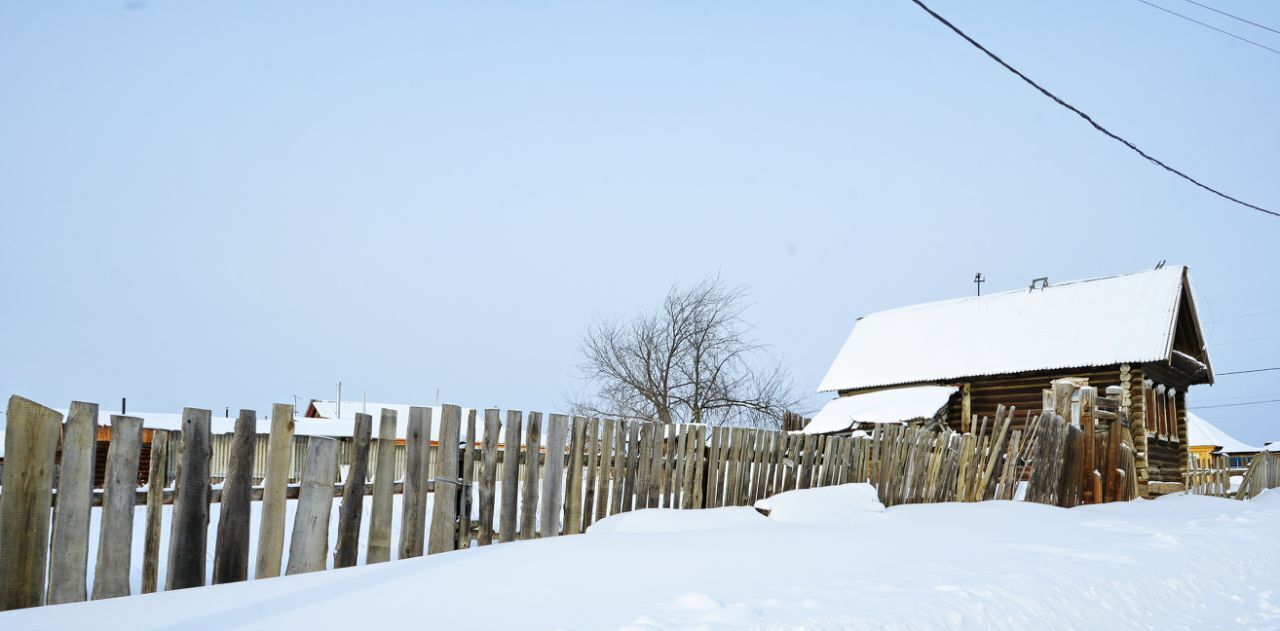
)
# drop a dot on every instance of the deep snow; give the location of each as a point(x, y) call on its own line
point(1176, 562)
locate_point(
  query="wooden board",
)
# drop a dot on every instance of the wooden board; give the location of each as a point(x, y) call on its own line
point(271, 520)
point(508, 517)
point(551, 510)
point(532, 468)
point(573, 481)
point(384, 477)
point(488, 474)
point(69, 550)
point(155, 511)
point(188, 535)
point(444, 515)
point(351, 511)
point(115, 533)
point(309, 543)
point(413, 513)
point(231, 549)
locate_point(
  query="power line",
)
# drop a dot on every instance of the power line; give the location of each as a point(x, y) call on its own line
point(1210, 26)
point(1245, 372)
point(1251, 339)
point(1086, 117)
point(1249, 315)
point(1237, 405)
point(1234, 17)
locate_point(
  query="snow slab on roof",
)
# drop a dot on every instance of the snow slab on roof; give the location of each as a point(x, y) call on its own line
point(1096, 322)
point(1202, 432)
point(881, 406)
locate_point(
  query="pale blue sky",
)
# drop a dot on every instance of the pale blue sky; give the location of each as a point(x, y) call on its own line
point(228, 203)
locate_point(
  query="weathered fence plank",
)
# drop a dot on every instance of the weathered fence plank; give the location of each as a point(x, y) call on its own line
point(488, 474)
point(188, 536)
point(444, 513)
point(231, 555)
point(573, 481)
point(589, 470)
point(69, 550)
point(632, 469)
point(309, 543)
point(413, 514)
point(606, 468)
point(553, 481)
point(271, 520)
point(468, 477)
point(510, 478)
point(384, 479)
point(115, 532)
point(31, 442)
point(350, 512)
point(529, 492)
point(155, 510)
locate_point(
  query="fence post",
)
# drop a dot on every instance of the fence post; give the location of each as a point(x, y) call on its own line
point(384, 479)
point(189, 534)
point(69, 552)
point(115, 532)
point(444, 515)
point(231, 550)
point(309, 543)
point(417, 444)
point(510, 478)
point(488, 473)
point(274, 487)
point(347, 551)
point(156, 481)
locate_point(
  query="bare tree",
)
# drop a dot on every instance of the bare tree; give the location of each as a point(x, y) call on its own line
point(691, 360)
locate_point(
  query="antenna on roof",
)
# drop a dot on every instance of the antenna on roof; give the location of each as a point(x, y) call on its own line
point(1043, 281)
point(1160, 265)
point(337, 403)
point(978, 280)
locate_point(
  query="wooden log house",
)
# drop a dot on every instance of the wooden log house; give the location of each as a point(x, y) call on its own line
point(1138, 332)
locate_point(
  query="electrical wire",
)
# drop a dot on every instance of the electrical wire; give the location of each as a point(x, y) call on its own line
point(1232, 405)
point(1086, 117)
point(1234, 17)
point(1245, 372)
point(1209, 26)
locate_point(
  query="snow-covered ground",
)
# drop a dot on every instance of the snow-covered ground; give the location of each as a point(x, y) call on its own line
point(1177, 562)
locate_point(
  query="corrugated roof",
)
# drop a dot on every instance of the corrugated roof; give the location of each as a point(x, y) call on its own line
point(1202, 432)
point(1095, 322)
point(882, 406)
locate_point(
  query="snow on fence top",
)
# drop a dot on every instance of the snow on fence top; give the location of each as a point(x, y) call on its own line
point(1202, 432)
point(883, 406)
point(1094, 322)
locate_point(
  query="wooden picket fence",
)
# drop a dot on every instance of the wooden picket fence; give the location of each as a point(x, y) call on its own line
point(1263, 473)
point(589, 469)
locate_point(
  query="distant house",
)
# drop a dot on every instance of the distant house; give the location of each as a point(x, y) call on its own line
point(1137, 331)
point(1205, 439)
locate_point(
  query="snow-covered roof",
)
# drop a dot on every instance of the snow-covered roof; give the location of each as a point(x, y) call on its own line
point(882, 406)
point(1272, 446)
point(1096, 322)
point(1202, 432)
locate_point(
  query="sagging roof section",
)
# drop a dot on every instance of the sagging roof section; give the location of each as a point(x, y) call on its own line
point(1131, 318)
point(882, 406)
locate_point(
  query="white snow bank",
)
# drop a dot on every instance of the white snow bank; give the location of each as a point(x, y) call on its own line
point(672, 520)
point(989, 565)
point(844, 504)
